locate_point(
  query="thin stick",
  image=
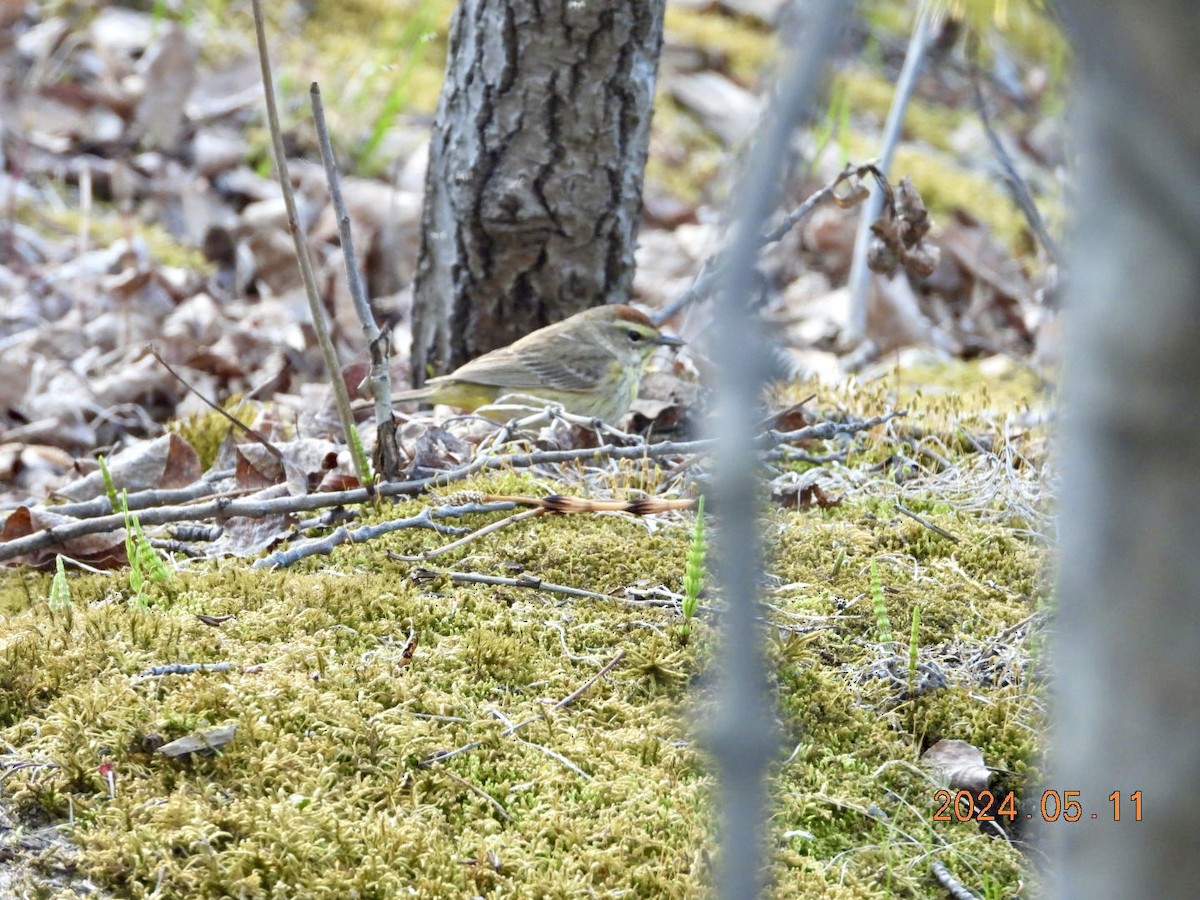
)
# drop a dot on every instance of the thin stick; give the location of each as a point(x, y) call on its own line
point(536, 584)
point(566, 701)
point(233, 420)
point(949, 882)
point(934, 528)
point(711, 274)
point(222, 507)
point(379, 379)
point(474, 535)
point(316, 312)
point(492, 801)
point(554, 754)
point(1016, 184)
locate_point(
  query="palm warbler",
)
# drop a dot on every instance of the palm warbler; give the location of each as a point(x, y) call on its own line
point(590, 364)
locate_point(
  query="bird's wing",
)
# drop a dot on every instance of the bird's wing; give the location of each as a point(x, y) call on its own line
point(505, 368)
point(555, 365)
point(564, 374)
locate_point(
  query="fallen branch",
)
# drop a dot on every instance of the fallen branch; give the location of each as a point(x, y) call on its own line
point(225, 508)
point(424, 519)
point(474, 535)
point(443, 755)
point(534, 583)
point(1017, 187)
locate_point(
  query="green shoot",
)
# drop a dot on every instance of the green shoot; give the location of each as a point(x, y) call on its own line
point(838, 562)
point(882, 622)
point(359, 453)
point(60, 588)
point(144, 562)
point(110, 487)
point(835, 125)
point(412, 46)
point(693, 573)
point(913, 646)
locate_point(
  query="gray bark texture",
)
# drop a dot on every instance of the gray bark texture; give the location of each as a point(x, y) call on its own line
point(1127, 646)
point(535, 172)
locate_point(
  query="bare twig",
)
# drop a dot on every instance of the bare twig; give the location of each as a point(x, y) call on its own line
point(934, 528)
point(316, 311)
point(557, 503)
point(948, 881)
point(224, 507)
point(232, 419)
point(554, 754)
point(443, 755)
point(387, 453)
point(424, 519)
point(491, 801)
point(325, 545)
point(185, 669)
point(536, 584)
point(474, 535)
point(1017, 187)
point(99, 506)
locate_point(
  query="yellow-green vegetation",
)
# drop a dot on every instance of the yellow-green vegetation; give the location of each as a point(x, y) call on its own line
point(943, 183)
point(380, 58)
point(868, 91)
point(684, 156)
point(329, 788)
point(1024, 24)
point(744, 46)
point(105, 226)
point(206, 431)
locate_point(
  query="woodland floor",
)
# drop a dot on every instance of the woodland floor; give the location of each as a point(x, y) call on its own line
point(525, 714)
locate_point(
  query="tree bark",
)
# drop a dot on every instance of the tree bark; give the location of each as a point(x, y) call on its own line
point(1127, 651)
point(535, 173)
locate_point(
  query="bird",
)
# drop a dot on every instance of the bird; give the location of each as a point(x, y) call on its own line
point(590, 364)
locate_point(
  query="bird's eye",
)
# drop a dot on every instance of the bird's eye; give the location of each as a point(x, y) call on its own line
point(634, 336)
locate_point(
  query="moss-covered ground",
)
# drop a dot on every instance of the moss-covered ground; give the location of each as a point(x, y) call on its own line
point(328, 789)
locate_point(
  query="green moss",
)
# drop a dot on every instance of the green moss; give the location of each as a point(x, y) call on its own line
point(867, 91)
point(205, 431)
point(326, 789)
point(105, 227)
point(745, 47)
point(684, 156)
point(20, 588)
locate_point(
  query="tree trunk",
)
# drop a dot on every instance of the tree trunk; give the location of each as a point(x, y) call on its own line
point(535, 170)
point(1127, 651)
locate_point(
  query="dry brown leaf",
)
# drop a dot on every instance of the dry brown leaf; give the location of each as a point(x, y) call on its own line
point(959, 762)
point(169, 69)
point(105, 550)
point(165, 462)
point(246, 536)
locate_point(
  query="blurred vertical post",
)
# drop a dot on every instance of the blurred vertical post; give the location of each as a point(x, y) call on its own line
point(1127, 632)
point(742, 735)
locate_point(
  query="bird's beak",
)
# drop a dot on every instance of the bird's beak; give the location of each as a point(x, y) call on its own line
point(668, 340)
